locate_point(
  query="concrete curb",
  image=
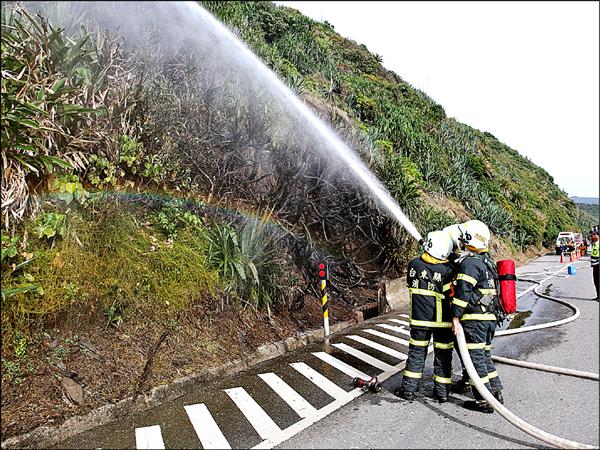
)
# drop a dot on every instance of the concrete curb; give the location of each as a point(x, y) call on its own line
point(45, 436)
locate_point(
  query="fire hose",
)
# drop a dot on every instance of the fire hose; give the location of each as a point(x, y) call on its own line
point(544, 367)
point(502, 410)
point(499, 407)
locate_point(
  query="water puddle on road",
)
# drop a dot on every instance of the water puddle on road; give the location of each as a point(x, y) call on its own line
point(519, 319)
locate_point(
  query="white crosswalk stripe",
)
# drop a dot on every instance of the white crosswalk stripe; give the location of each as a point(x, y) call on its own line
point(401, 322)
point(149, 437)
point(206, 428)
point(258, 418)
point(389, 337)
point(289, 395)
point(211, 436)
point(320, 381)
point(401, 330)
point(377, 346)
point(365, 357)
point(340, 365)
point(403, 315)
point(392, 338)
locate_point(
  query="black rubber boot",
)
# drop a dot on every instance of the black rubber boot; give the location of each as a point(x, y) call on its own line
point(479, 405)
point(499, 396)
point(406, 395)
point(440, 398)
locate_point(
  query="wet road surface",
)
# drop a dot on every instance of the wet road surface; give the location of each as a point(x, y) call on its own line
point(305, 399)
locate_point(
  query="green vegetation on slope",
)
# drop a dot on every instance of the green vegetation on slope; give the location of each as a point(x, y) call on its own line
point(82, 115)
point(588, 215)
point(518, 199)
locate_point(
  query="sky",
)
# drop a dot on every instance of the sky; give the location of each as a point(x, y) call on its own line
point(527, 72)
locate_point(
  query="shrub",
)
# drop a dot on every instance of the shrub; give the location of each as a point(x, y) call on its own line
point(247, 261)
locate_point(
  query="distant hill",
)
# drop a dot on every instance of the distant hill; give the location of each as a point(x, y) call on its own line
point(592, 212)
point(586, 200)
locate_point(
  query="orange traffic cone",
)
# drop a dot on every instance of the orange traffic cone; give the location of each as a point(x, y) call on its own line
point(571, 258)
point(562, 259)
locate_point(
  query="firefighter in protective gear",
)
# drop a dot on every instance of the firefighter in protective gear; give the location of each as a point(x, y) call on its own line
point(472, 305)
point(456, 233)
point(595, 258)
point(429, 279)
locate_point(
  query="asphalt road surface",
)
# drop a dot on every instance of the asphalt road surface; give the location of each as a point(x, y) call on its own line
point(564, 406)
point(305, 399)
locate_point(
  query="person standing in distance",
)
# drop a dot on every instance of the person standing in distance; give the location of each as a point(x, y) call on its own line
point(595, 258)
point(429, 279)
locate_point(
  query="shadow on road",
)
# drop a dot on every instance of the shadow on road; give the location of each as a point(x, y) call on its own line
point(456, 401)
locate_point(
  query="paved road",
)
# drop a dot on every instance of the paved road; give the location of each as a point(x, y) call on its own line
point(305, 399)
point(565, 406)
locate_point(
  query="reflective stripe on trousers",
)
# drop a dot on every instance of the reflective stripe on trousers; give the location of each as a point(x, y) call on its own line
point(417, 354)
point(479, 335)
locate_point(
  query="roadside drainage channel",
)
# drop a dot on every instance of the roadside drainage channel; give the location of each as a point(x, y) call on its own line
point(45, 436)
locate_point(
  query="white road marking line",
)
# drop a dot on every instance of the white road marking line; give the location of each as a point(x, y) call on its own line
point(341, 365)
point(381, 348)
point(258, 418)
point(149, 437)
point(206, 428)
point(393, 328)
point(365, 357)
point(289, 395)
point(320, 381)
point(326, 410)
point(401, 322)
point(389, 337)
point(542, 281)
point(403, 315)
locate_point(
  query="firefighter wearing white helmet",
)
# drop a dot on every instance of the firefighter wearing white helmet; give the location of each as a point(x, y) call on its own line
point(456, 234)
point(429, 279)
point(475, 236)
point(474, 303)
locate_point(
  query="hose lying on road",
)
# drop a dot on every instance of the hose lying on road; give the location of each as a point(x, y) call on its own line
point(546, 368)
point(501, 409)
point(547, 324)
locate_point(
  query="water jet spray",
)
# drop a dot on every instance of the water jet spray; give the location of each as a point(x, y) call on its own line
point(340, 149)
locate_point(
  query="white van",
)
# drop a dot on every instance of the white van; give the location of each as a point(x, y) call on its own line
point(565, 242)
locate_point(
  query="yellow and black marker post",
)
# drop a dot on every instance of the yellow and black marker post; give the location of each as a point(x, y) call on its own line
point(323, 276)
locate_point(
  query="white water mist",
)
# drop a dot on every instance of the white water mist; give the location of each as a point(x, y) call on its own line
point(188, 25)
point(342, 150)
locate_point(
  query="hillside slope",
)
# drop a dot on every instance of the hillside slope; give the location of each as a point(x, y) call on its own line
point(496, 184)
point(162, 214)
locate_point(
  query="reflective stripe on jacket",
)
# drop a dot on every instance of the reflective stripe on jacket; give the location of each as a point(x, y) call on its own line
point(595, 253)
point(429, 283)
point(473, 281)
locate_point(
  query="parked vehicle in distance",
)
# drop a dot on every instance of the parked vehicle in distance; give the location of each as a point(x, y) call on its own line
point(566, 242)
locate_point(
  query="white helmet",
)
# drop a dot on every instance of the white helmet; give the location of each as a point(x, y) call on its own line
point(456, 235)
point(476, 235)
point(438, 244)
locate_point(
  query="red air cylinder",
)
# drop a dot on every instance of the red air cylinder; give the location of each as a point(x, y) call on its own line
point(508, 285)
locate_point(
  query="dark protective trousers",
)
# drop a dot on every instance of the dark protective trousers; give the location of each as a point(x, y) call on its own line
point(417, 353)
point(479, 335)
point(596, 275)
point(465, 375)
